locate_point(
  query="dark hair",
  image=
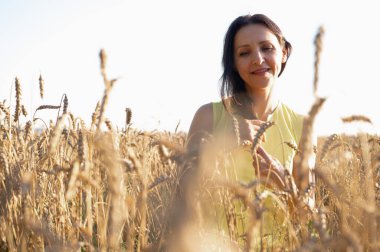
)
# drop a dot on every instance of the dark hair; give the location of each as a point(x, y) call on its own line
point(232, 83)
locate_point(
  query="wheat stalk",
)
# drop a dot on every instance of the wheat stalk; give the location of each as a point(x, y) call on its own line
point(95, 114)
point(108, 86)
point(306, 145)
point(56, 133)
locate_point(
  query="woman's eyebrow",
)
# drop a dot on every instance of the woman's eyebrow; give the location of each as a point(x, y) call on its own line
point(242, 46)
point(260, 43)
point(265, 42)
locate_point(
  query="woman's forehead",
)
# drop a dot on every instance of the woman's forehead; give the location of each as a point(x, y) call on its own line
point(254, 33)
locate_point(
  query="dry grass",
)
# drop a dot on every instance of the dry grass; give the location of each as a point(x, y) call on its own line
point(69, 187)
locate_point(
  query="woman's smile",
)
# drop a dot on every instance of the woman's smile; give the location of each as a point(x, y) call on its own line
point(260, 71)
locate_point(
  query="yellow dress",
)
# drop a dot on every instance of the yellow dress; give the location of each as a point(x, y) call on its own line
point(287, 128)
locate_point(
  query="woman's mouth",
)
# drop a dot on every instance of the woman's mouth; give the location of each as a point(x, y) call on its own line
point(260, 71)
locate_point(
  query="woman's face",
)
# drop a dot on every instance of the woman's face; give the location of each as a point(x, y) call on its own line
point(258, 57)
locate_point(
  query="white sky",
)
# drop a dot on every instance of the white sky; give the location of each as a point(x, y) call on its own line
point(168, 55)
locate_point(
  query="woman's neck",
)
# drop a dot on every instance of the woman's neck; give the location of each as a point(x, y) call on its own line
point(264, 103)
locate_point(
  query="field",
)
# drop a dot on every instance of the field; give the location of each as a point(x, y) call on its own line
point(74, 187)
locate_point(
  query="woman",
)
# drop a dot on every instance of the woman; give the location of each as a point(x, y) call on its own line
point(255, 54)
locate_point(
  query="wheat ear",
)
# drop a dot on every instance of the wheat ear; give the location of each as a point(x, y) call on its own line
point(18, 100)
point(318, 49)
point(42, 107)
point(331, 139)
point(128, 117)
point(260, 132)
point(354, 118)
point(41, 85)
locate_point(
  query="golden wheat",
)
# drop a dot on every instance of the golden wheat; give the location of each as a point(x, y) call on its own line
point(70, 187)
point(41, 86)
point(353, 118)
point(18, 100)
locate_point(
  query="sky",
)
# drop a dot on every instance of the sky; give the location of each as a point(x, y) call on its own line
point(167, 57)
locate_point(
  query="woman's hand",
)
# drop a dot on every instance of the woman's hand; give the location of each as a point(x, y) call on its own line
point(247, 129)
point(267, 166)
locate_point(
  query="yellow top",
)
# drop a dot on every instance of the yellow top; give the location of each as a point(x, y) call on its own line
point(232, 218)
point(287, 128)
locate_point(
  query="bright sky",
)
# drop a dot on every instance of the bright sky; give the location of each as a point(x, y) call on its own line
point(167, 54)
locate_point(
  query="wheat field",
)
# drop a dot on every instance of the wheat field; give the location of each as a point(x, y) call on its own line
point(69, 186)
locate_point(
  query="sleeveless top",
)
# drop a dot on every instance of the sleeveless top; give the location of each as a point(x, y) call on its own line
point(236, 165)
point(287, 128)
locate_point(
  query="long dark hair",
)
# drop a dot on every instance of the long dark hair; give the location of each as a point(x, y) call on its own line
point(232, 84)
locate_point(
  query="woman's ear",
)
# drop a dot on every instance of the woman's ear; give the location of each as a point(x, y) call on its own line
point(284, 57)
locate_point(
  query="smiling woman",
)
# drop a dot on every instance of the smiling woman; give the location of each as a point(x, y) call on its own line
point(255, 54)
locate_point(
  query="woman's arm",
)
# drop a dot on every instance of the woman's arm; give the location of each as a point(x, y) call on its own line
point(201, 125)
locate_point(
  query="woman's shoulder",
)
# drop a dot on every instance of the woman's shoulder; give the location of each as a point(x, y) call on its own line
point(205, 108)
point(202, 124)
point(204, 111)
point(210, 116)
point(202, 120)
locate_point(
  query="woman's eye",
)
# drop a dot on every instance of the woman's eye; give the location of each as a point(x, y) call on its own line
point(267, 48)
point(243, 53)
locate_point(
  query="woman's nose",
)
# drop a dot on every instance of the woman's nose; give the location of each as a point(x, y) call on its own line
point(257, 58)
